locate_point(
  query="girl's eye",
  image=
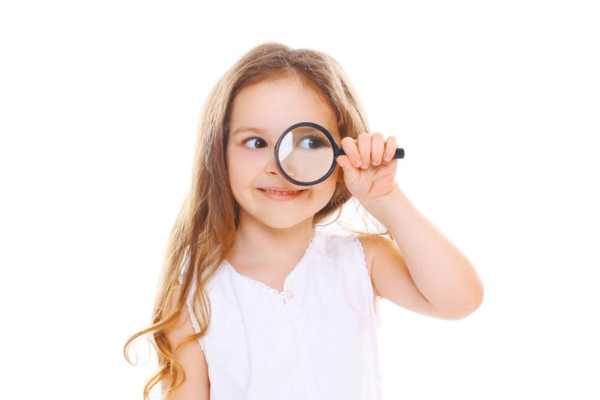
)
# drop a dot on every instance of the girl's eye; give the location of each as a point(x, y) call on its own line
point(311, 142)
point(255, 143)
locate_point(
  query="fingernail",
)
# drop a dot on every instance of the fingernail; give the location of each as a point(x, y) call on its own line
point(358, 164)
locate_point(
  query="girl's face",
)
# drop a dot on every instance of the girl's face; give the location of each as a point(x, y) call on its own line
point(259, 114)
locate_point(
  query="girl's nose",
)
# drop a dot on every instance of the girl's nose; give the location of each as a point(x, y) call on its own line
point(271, 167)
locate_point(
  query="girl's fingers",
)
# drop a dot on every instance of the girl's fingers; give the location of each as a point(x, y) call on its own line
point(364, 148)
point(369, 149)
point(377, 148)
point(351, 151)
point(390, 148)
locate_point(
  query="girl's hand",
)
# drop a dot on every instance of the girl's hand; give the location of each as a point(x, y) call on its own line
point(369, 167)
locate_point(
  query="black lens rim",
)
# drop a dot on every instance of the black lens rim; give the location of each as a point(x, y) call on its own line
point(334, 146)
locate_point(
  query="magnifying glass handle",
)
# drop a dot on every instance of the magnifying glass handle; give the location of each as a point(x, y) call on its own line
point(398, 154)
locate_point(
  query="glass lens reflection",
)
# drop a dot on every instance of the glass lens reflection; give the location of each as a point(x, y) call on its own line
point(305, 154)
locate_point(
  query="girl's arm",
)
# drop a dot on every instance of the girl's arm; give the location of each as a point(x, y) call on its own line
point(191, 357)
point(421, 270)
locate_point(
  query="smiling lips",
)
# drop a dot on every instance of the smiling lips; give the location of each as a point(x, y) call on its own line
point(281, 193)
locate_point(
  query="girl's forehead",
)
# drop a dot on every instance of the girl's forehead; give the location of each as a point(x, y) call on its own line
point(274, 105)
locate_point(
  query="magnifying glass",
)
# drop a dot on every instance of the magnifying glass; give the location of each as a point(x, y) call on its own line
point(306, 152)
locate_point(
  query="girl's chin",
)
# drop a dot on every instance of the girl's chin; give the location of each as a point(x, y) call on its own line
point(281, 222)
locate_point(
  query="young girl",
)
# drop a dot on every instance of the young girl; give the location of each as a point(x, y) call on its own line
point(254, 301)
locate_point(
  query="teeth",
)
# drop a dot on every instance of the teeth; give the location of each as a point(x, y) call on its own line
point(286, 192)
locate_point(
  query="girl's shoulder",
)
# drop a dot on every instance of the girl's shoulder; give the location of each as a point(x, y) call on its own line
point(377, 247)
point(334, 244)
point(369, 246)
point(373, 243)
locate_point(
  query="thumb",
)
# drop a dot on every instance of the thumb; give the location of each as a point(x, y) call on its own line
point(351, 173)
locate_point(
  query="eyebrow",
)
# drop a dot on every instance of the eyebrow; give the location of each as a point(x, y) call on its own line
point(307, 129)
point(246, 129)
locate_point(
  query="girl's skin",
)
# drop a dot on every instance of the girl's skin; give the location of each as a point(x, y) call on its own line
point(420, 270)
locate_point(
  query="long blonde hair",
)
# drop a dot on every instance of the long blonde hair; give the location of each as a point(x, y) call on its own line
point(204, 230)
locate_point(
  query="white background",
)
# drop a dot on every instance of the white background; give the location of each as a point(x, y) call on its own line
point(497, 104)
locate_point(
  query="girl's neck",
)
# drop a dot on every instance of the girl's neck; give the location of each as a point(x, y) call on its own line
point(268, 255)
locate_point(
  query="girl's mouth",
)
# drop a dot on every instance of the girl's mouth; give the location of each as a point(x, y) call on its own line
point(281, 194)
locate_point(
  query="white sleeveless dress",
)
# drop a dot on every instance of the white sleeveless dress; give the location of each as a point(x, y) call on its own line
point(315, 340)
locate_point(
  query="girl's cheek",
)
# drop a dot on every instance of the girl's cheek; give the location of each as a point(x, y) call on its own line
point(246, 158)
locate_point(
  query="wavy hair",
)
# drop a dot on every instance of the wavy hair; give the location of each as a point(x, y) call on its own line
point(205, 227)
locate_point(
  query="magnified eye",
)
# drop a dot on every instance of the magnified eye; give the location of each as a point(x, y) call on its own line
point(312, 142)
point(255, 143)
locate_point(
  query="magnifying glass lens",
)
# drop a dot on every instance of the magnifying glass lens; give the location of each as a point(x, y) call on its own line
point(305, 154)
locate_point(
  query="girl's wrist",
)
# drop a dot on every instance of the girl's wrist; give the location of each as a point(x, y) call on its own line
point(381, 206)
